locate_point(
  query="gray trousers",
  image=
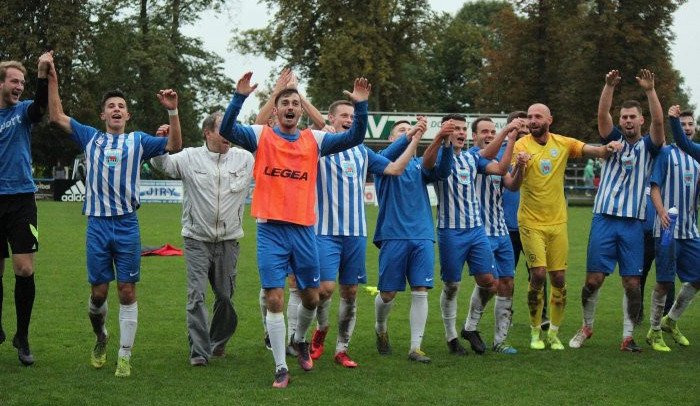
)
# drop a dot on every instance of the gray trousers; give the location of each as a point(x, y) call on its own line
point(217, 263)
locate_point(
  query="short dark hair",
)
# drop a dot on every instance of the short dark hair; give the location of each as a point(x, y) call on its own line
point(454, 116)
point(112, 93)
point(209, 123)
point(476, 122)
point(516, 114)
point(396, 124)
point(334, 106)
point(632, 104)
point(284, 93)
point(687, 113)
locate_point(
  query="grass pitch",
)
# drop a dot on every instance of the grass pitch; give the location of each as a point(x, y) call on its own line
point(61, 339)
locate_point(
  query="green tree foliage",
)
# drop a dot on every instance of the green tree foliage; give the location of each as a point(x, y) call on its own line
point(331, 42)
point(101, 45)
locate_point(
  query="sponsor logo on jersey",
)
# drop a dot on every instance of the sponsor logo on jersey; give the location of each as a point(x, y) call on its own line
point(286, 173)
point(76, 193)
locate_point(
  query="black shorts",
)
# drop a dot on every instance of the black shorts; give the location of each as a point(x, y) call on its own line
point(18, 224)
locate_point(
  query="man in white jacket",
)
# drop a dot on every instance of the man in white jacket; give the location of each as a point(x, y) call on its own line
point(215, 179)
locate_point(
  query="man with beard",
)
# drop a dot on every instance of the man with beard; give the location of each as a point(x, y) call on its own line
point(18, 215)
point(542, 217)
point(284, 199)
point(462, 237)
point(620, 206)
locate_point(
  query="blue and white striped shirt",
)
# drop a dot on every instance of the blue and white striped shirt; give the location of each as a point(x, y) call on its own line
point(624, 176)
point(677, 173)
point(113, 168)
point(489, 190)
point(340, 188)
point(458, 203)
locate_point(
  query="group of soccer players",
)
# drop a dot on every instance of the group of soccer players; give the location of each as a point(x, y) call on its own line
point(311, 226)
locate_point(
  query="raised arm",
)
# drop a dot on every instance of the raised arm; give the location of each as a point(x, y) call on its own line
point(441, 140)
point(501, 167)
point(334, 143)
point(656, 129)
point(514, 178)
point(601, 151)
point(282, 83)
point(491, 150)
point(679, 137)
point(166, 163)
point(56, 114)
point(41, 100)
point(168, 99)
point(241, 135)
point(397, 167)
point(605, 122)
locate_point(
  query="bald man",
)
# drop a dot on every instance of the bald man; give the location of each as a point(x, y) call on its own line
point(542, 216)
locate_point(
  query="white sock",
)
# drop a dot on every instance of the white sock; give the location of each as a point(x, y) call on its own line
point(101, 312)
point(304, 318)
point(275, 328)
point(502, 314)
point(263, 308)
point(128, 322)
point(627, 323)
point(658, 301)
point(381, 313)
point(292, 310)
point(589, 306)
point(480, 297)
point(683, 299)
point(448, 306)
point(418, 316)
point(322, 312)
point(347, 312)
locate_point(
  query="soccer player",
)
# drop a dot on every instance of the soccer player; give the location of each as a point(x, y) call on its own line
point(18, 215)
point(341, 229)
point(112, 197)
point(674, 183)
point(619, 208)
point(405, 235)
point(284, 201)
point(489, 189)
point(215, 178)
point(542, 217)
point(461, 235)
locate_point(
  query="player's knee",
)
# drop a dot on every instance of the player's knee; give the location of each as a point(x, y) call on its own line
point(127, 293)
point(348, 291)
point(451, 289)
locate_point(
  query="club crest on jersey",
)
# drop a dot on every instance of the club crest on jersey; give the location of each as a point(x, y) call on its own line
point(463, 176)
point(349, 168)
point(113, 156)
point(495, 180)
point(627, 162)
point(554, 153)
point(545, 166)
point(688, 178)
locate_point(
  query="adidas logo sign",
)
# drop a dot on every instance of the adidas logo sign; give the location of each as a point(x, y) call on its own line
point(75, 194)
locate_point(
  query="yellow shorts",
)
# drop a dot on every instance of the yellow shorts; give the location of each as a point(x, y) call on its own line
point(546, 246)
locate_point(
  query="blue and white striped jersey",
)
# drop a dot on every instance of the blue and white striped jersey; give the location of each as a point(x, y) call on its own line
point(677, 173)
point(489, 190)
point(624, 176)
point(340, 189)
point(458, 203)
point(113, 168)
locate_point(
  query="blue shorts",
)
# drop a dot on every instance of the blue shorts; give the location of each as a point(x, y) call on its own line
point(342, 257)
point(113, 242)
point(461, 245)
point(680, 257)
point(284, 245)
point(503, 257)
point(616, 240)
point(405, 259)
